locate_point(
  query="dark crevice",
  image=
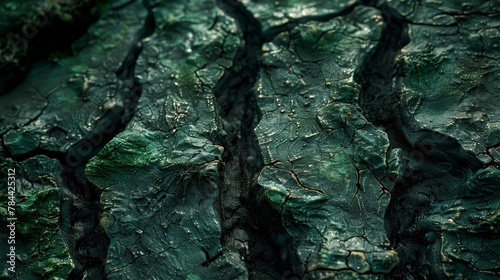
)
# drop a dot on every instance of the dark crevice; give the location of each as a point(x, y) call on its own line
point(250, 226)
point(86, 240)
point(435, 164)
point(84, 233)
point(39, 33)
point(211, 259)
point(274, 31)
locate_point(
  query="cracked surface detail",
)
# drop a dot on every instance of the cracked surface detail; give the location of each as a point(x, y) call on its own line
point(251, 139)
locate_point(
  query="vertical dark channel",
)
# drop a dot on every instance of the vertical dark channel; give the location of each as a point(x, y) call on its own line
point(435, 165)
point(250, 226)
point(379, 99)
point(87, 241)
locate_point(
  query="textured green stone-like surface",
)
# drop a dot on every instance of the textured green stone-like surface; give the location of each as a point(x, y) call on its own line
point(159, 176)
point(61, 101)
point(451, 86)
point(325, 161)
point(149, 148)
point(31, 30)
point(41, 252)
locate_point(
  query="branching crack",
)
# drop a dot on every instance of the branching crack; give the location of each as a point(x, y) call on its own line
point(243, 229)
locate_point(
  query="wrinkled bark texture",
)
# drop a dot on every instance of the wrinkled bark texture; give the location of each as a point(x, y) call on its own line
point(255, 139)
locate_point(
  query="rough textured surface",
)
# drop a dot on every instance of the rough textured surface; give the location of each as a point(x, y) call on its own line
point(31, 30)
point(252, 140)
point(40, 247)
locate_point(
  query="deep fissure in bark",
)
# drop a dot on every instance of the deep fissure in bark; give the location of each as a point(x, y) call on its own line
point(91, 242)
point(250, 226)
point(435, 164)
